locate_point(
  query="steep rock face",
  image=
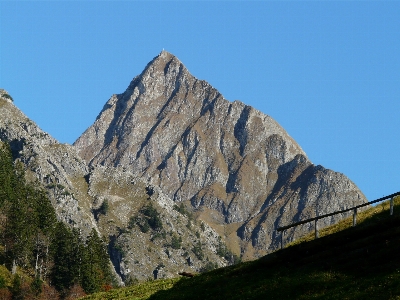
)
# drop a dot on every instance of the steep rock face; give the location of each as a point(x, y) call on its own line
point(302, 191)
point(57, 166)
point(240, 171)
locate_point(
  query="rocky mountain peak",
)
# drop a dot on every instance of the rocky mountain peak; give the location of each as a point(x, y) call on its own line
point(164, 89)
point(235, 167)
point(161, 75)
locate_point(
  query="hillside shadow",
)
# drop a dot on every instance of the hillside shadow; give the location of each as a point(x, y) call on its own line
point(359, 262)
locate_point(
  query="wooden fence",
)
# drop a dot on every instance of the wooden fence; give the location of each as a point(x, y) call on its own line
point(354, 209)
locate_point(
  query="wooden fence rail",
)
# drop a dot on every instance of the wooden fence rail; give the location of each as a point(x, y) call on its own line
point(354, 209)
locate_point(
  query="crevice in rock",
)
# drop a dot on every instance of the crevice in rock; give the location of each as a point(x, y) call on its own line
point(115, 256)
point(240, 129)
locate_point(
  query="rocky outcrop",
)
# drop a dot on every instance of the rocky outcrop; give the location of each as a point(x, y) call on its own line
point(238, 169)
point(138, 253)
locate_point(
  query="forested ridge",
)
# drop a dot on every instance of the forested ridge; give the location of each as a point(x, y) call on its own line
point(41, 257)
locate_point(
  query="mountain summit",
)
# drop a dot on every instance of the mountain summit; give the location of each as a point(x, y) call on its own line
point(234, 167)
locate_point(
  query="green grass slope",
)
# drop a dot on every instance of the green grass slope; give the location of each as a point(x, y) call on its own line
point(137, 292)
point(355, 263)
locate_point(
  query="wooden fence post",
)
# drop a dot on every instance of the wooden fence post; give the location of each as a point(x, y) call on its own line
point(391, 206)
point(316, 229)
point(354, 216)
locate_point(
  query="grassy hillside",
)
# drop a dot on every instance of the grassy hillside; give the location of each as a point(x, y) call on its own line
point(138, 292)
point(356, 263)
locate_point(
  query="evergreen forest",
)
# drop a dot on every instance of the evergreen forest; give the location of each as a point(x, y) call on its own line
point(40, 257)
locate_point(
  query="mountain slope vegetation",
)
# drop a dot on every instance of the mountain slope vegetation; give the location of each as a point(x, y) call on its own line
point(38, 250)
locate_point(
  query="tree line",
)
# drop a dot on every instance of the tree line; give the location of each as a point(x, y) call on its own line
point(46, 258)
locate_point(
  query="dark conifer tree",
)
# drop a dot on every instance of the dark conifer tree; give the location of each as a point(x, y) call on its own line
point(67, 249)
point(7, 175)
point(96, 268)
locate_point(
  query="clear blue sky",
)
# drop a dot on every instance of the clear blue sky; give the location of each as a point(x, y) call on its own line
point(328, 72)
